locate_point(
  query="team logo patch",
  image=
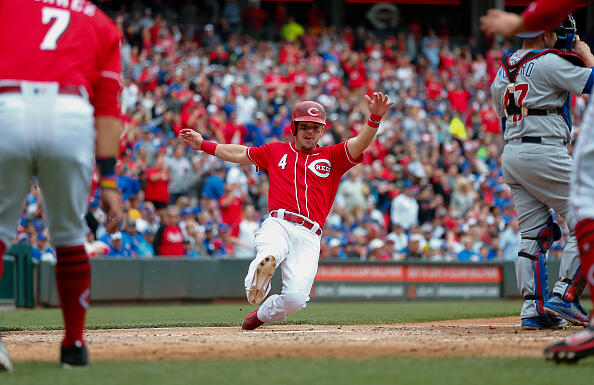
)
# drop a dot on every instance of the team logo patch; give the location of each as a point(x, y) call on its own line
point(313, 111)
point(320, 167)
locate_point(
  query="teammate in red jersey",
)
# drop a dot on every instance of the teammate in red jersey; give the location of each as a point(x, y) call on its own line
point(545, 15)
point(304, 178)
point(59, 86)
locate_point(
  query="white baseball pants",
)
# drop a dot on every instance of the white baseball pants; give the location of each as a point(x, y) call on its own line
point(51, 136)
point(297, 251)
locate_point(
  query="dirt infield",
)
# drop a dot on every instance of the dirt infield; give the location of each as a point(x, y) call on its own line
point(461, 338)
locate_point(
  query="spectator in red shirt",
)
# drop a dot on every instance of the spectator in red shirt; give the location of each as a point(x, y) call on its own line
point(458, 97)
point(169, 238)
point(157, 184)
point(254, 19)
point(231, 204)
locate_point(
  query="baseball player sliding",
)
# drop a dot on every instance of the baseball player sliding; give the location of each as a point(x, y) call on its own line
point(304, 178)
point(532, 96)
point(541, 15)
point(59, 88)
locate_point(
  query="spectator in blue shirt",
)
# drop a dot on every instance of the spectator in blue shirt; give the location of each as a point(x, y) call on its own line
point(138, 244)
point(214, 185)
point(467, 254)
point(116, 247)
point(190, 251)
point(509, 243)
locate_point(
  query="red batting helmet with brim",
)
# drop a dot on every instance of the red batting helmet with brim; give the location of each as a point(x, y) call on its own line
point(308, 111)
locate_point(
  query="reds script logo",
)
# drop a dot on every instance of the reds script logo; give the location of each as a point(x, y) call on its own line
point(313, 111)
point(320, 167)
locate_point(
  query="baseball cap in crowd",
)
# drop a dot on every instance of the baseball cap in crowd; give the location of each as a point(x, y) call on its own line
point(360, 231)
point(376, 244)
point(212, 109)
point(38, 224)
point(415, 237)
point(426, 228)
point(391, 238)
point(334, 242)
point(41, 236)
point(208, 27)
point(117, 235)
point(187, 211)
point(224, 227)
point(22, 238)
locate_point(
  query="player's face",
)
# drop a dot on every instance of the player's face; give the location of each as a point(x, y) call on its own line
point(308, 135)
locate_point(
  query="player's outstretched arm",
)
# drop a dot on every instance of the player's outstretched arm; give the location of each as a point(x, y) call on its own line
point(540, 15)
point(235, 153)
point(377, 107)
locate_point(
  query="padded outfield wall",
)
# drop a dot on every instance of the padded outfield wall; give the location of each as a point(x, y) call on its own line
point(115, 280)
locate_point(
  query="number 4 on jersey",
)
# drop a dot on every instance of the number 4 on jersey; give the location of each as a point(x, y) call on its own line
point(283, 162)
point(56, 30)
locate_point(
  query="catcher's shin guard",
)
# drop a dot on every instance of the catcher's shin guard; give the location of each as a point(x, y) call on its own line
point(540, 292)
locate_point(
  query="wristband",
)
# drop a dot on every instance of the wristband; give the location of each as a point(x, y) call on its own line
point(375, 118)
point(106, 166)
point(372, 124)
point(108, 182)
point(208, 147)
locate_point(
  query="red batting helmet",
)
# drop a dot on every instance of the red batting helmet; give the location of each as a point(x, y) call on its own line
point(308, 111)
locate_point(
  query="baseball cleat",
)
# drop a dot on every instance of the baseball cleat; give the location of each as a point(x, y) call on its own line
point(251, 321)
point(5, 364)
point(573, 348)
point(543, 322)
point(74, 356)
point(570, 311)
point(262, 278)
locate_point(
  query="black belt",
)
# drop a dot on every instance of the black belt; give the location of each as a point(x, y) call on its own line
point(530, 139)
point(537, 140)
point(515, 110)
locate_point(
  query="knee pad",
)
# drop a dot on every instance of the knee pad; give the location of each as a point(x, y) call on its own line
point(550, 233)
point(295, 302)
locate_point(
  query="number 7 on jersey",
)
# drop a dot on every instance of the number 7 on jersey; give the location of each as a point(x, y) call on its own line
point(62, 19)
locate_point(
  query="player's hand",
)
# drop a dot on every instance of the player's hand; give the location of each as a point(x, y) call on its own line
point(497, 22)
point(379, 104)
point(582, 49)
point(192, 138)
point(110, 203)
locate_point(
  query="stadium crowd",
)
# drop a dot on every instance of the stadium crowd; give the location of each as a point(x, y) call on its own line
point(429, 187)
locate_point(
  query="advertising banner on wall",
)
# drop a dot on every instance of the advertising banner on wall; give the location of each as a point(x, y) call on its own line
point(392, 281)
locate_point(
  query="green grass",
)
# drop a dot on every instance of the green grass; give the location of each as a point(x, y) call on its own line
point(386, 370)
point(110, 317)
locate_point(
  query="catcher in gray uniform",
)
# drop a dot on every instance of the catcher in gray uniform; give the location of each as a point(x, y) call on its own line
point(532, 94)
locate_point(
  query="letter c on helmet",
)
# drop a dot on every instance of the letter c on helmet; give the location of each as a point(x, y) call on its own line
point(313, 111)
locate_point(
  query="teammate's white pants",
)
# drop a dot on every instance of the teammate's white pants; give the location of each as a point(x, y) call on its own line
point(297, 251)
point(582, 172)
point(51, 136)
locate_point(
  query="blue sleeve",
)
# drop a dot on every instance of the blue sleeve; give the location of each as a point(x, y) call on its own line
point(503, 120)
point(589, 83)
